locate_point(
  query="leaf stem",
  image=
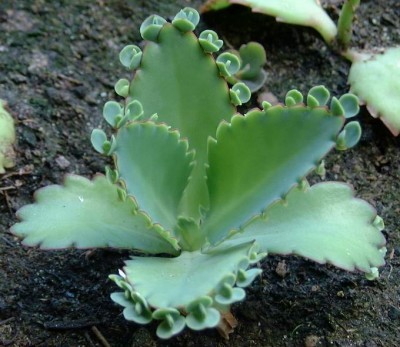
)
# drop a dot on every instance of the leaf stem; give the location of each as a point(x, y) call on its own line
point(345, 23)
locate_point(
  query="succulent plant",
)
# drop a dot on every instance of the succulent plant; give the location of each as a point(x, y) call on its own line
point(374, 74)
point(7, 139)
point(202, 191)
point(252, 58)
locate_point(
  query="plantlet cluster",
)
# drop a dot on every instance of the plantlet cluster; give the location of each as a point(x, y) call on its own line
point(374, 74)
point(202, 191)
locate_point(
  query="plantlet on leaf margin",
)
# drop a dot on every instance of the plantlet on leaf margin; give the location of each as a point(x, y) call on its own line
point(204, 190)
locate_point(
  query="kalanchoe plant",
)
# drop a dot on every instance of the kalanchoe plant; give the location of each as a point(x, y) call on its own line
point(252, 58)
point(374, 73)
point(206, 191)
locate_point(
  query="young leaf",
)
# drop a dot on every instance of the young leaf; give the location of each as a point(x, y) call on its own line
point(130, 56)
point(154, 165)
point(257, 158)
point(191, 97)
point(172, 322)
point(251, 73)
point(88, 214)
point(349, 136)
point(210, 41)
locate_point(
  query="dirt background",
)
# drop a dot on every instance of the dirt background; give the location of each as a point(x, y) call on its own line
point(58, 65)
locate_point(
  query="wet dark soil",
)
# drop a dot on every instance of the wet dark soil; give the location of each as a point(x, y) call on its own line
point(58, 65)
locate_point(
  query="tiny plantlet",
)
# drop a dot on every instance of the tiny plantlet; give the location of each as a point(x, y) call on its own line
point(203, 192)
point(374, 74)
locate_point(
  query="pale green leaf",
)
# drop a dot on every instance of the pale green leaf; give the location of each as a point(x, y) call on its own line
point(375, 79)
point(88, 214)
point(253, 58)
point(154, 165)
point(257, 158)
point(349, 136)
point(176, 282)
point(186, 19)
point(305, 12)
point(324, 223)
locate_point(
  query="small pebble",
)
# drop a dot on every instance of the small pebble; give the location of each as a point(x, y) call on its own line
point(281, 269)
point(311, 341)
point(62, 162)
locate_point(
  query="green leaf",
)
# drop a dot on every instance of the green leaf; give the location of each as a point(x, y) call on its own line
point(240, 93)
point(137, 312)
point(98, 138)
point(324, 223)
point(228, 64)
point(253, 58)
point(305, 12)
point(151, 27)
point(210, 41)
point(88, 214)
point(375, 80)
point(186, 19)
point(122, 87)
point(257, 158)
point(336, 107)
point(349, 136)
point(293, 97)
point(201, 315)
point(215, 5)
point(318, 95)
point(226, 293)
point(181, 83)
point(172, 322)
point(350, 105)
point(154, 164)
point(183, 279)
point(130, 56)
point(112, 113)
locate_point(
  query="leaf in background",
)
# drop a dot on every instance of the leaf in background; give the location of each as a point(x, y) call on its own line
point(301, 12)
point(375, 79)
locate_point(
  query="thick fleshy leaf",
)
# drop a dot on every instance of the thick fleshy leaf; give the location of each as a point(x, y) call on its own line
point(257, 158)
point(375, 79)
point(87, 214)
point(253, 58)
point(324, 223)
point(181, 83)
point(176, 282)
point(305, 12)
point(154, 165)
